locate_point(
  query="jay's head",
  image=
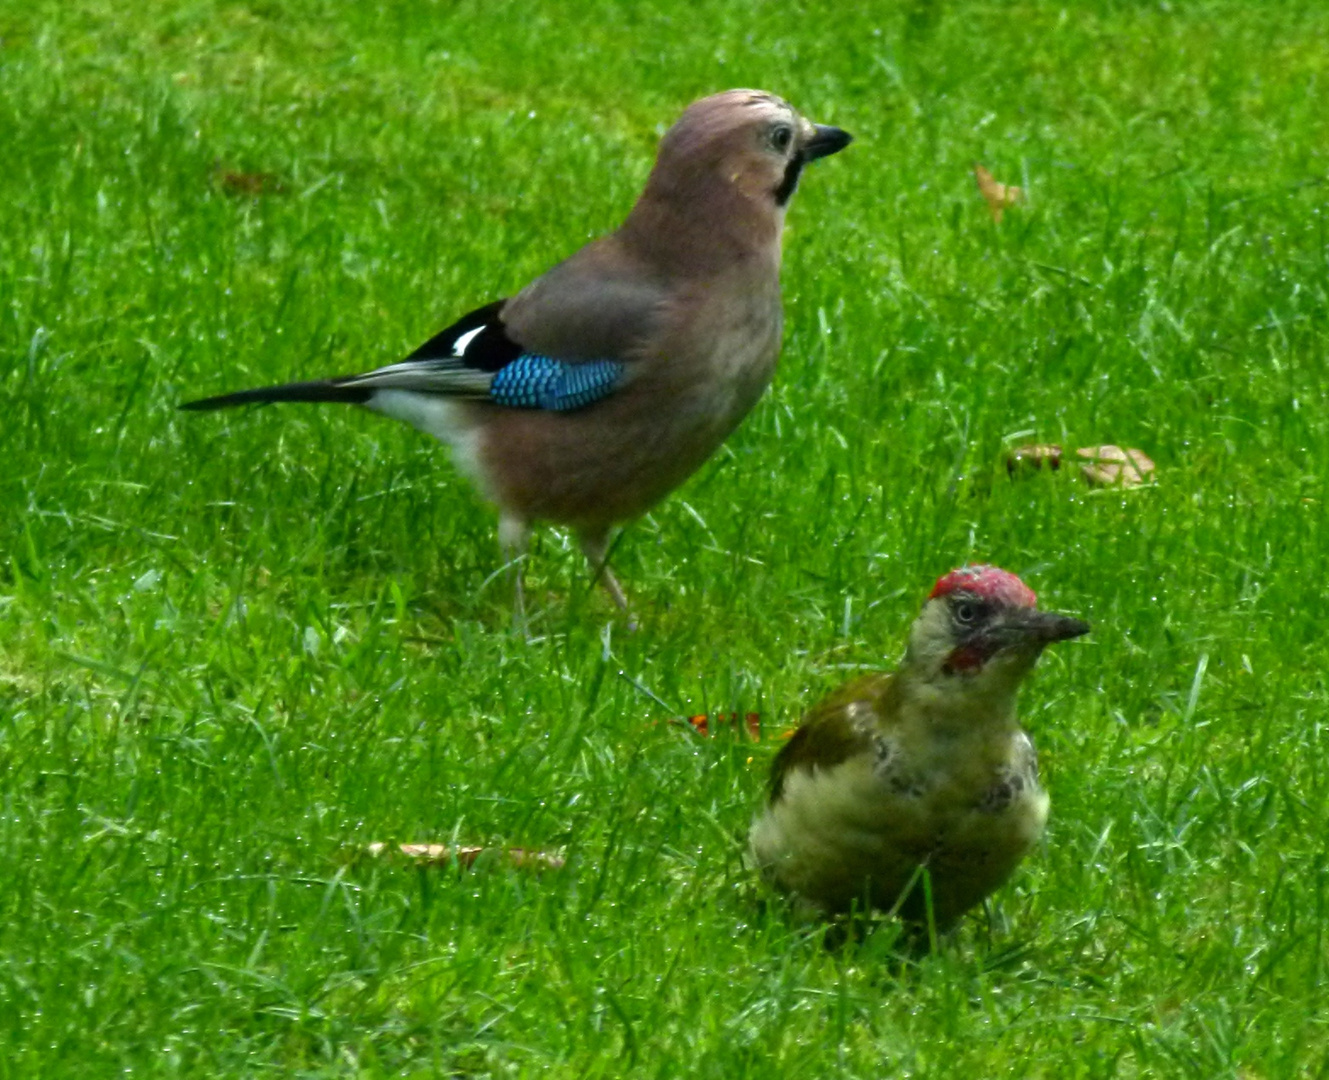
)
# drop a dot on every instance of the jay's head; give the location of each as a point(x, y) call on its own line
point(747, 141)
point(981, 630)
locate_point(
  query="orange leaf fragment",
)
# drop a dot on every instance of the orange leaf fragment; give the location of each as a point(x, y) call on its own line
point(997, 195)
point(443, 855)
point(701, 723)
point(1111, 466)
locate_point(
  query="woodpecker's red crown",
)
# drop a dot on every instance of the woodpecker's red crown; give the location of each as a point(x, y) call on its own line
point(987, 583)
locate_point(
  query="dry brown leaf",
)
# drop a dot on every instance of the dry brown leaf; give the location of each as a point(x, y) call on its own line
point(1034, 456)
point(252, 184)
point(997, 195)
point(1103, 466)
point(443, 855)
point(1111, 466)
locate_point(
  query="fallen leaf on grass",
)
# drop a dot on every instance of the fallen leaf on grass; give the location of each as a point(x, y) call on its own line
point(1103, 466)
point(1034, 456)
point(1111, 466)
point(252, 184)
point(997, 195)
point(443, 855)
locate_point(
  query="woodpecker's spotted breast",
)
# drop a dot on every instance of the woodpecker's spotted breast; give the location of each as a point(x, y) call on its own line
point(540, 382)
point(924, 768)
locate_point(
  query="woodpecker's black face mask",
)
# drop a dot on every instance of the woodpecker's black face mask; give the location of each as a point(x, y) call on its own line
point(983, 631)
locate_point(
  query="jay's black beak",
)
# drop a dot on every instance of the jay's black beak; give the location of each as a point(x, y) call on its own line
point(825, 141)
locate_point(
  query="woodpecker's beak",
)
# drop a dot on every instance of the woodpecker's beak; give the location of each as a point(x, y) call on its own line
point(1041, 627)
point(825, 141)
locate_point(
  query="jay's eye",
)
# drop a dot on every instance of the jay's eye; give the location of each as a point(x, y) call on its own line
point(965, 613)
point(781, 137)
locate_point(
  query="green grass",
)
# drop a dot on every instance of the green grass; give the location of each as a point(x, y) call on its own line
point(235, 647)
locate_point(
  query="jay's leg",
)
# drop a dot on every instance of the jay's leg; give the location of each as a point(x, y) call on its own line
point(595, 545)
point(512, 536)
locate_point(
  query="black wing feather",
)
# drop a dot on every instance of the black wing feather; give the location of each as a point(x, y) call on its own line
point(490, 350)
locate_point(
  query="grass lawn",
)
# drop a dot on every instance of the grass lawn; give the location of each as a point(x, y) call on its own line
point(236, 648)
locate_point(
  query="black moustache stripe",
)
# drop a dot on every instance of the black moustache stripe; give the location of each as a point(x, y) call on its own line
point(787, 185)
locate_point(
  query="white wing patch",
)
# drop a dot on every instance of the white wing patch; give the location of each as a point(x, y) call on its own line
point(459, 346)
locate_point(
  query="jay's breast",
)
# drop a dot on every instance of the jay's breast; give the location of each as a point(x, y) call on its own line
point(615, 459)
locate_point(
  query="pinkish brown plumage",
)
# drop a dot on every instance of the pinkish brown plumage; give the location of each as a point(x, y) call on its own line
point(595, 391)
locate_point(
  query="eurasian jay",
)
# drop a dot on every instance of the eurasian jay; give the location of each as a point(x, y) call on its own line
point(926, 768)
point(601, 386)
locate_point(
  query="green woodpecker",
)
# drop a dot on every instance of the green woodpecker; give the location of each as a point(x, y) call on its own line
point(925, 768)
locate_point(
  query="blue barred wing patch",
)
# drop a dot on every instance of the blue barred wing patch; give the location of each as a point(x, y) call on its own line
point(541, 382)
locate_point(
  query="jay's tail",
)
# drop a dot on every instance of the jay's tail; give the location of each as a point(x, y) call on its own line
point(447, 377)
point(320, 390)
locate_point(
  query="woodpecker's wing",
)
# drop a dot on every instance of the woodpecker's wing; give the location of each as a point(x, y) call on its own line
point(836, 728)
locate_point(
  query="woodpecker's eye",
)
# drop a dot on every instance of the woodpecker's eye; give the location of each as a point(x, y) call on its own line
point(781, 137)
point(966, 613)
